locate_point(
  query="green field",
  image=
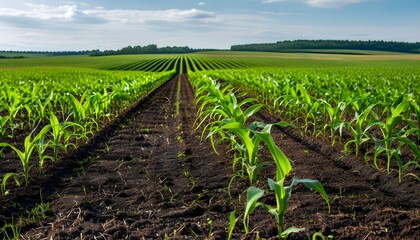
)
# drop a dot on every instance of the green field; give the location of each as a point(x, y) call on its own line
point(253, 58)
point(364, 103)
point(354, 81)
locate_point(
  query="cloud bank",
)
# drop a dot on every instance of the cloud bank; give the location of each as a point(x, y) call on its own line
point(321, 3)
point(71, 13)
point(331, 3)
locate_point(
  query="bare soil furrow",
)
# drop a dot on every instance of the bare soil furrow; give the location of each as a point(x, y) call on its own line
point(146, 180)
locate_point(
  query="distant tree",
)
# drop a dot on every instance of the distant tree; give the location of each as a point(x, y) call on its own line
point(330, 44)
point(149, 49)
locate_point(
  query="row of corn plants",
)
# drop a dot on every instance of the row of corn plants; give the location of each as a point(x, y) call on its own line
point(56, 109)
point(224, 117)
point(181, 64)
point(371, 112)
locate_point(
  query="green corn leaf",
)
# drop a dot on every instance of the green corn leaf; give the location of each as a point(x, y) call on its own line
point(232, 223)
point(314, 185)
point(304, 93)
point(4, 182)
point(281, 197)
point(290, 230)
point(253, 195)
point(284, 124)
point(244, 134)
point(283, 166)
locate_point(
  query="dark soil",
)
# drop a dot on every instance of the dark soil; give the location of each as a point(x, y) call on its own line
point(148, 176)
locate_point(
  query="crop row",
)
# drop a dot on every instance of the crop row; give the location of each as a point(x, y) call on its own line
point(370, 112)
point(180, 64)
point(54, 109)
point(224, 116)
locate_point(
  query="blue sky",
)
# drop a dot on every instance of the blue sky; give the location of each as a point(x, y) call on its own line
point(111, 24)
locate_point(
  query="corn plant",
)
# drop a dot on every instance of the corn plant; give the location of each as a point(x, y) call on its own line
point(4, 125)
point(12, 106)
point(60, 135)
point(249, 145)
point(41, 147)
point(218, 100)
point(42, 106)
point(232, 222)
point(354, 100)
point(282, 194)
point(248, 139)
point(26, 154)
point(220, 103)
point(6, 177)
point(391, 128)
point(359, 127)
point(402, 141)
point(100, 104)
point(335, 116)
point(416, 112)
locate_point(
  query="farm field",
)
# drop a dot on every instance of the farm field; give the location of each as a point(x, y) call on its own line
point(173, 146)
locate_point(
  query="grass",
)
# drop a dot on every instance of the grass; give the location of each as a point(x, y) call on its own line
point(304, 60)
point(77, 61)
point(342, 51)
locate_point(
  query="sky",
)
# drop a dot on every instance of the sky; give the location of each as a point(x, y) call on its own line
point(55, 25)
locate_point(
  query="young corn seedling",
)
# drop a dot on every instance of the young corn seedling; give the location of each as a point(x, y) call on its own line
point(60, 135)
point(6, 177)
point(335, 117)
point(362, 124)
point(403, 141)
point(43, 107)
point(78, 111)
point(81, 110)
point(232, 222)
point(306, 107)
point(282, 194)
point(100, 104)
point(3, 125)
point(247, 146)
point(41, 147)
point(25, 155)
point(223, 106)
point(392, 128)
point(12, 109)
point(416, 115)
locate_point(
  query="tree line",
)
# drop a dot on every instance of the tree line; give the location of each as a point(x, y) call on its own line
point(50, 53)
point(14, 57)
point(282, 46)
point(148, 49)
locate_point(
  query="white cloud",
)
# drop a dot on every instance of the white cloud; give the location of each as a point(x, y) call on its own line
point(40, 11)
point(202, 3)
point(70, 27)
point(272, 1)
point(275, 13)
point(39, 14)
point(71, 13)
point(331, 3)
point(140, 16)
point(76, 26)
point(321, 3)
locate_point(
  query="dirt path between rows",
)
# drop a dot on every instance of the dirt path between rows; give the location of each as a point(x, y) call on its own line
point(149, 177)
